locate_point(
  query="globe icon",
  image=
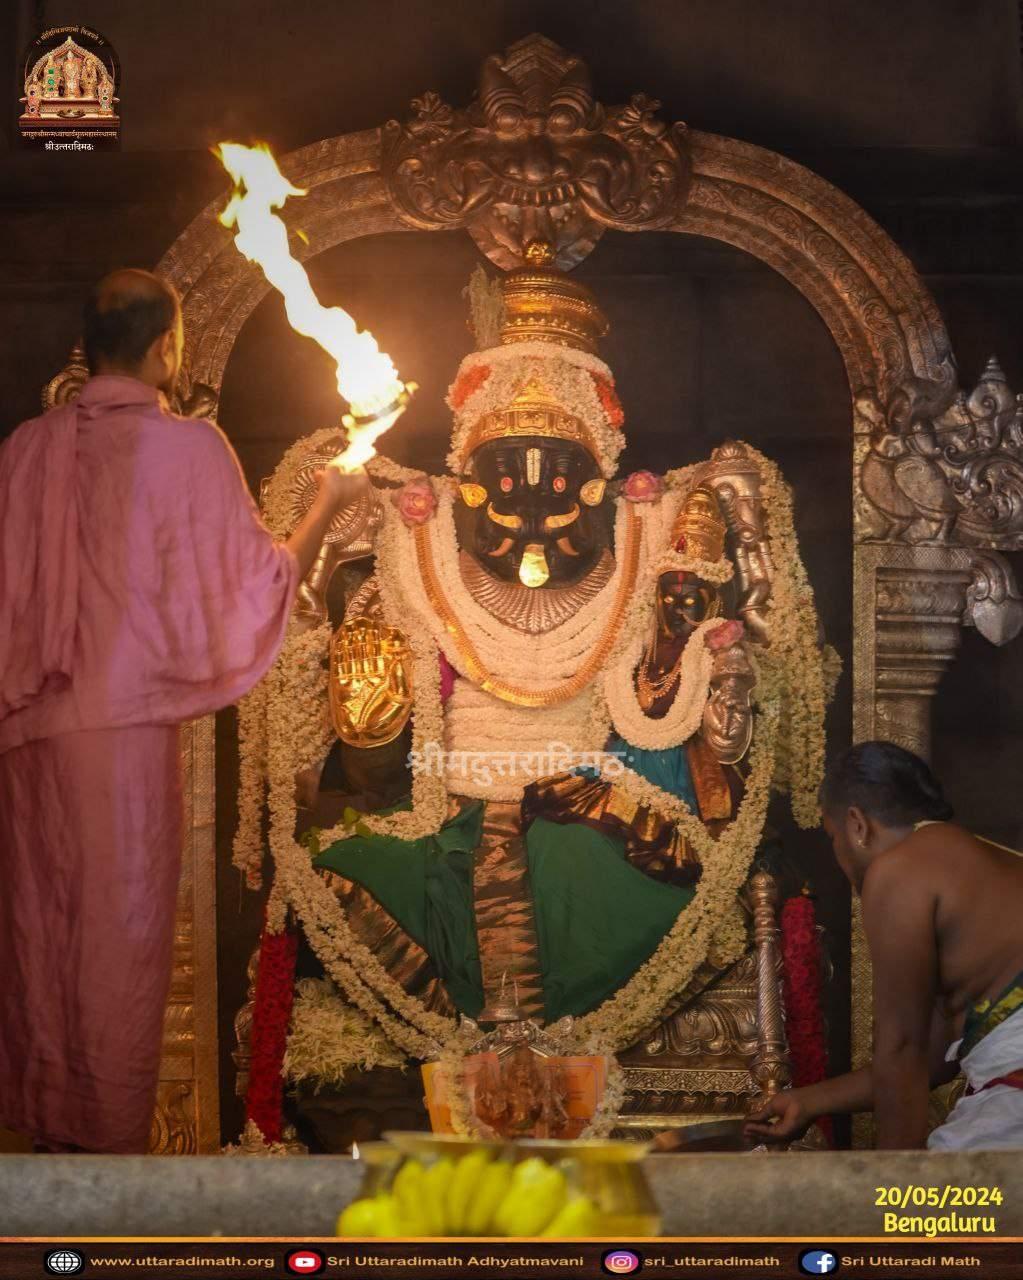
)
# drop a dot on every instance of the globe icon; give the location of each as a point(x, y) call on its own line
point(64, 1262)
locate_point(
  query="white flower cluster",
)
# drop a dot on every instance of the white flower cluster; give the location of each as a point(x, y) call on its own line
point(567, 375)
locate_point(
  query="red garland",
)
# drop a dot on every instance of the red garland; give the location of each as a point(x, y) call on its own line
point(468, 384)
point(802, 973)
point(609, 401)
point(271, 1016)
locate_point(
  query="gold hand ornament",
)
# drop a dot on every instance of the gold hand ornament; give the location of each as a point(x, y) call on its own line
point(370, 682)
point(728, 716)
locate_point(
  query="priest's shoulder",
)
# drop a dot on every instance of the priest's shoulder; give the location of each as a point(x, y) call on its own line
point(200, 440)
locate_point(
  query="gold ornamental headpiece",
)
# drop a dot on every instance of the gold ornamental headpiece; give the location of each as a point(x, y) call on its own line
point(544, 377)
point(543, 304)
point(697, 542)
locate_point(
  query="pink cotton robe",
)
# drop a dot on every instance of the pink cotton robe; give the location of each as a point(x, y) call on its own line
point(138, 589)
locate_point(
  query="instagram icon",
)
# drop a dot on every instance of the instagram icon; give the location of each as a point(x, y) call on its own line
point(621, 1262)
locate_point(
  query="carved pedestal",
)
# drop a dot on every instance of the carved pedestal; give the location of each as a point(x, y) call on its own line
point(723, 1047)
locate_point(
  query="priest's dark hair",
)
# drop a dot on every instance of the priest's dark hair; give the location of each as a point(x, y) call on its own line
point(124, 315)
point(885, 782)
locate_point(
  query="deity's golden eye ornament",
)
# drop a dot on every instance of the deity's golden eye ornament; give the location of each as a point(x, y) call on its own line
point(552, 523)
point(592, 492)
point(473, 495)
point(506, 522)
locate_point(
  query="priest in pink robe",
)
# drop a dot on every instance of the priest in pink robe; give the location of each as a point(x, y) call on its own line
point(138, 589)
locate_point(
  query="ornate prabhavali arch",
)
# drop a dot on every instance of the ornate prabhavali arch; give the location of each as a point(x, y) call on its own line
point(937, 476)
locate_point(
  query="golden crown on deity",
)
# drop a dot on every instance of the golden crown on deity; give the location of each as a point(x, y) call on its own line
point(541, 377)
point(697, 542)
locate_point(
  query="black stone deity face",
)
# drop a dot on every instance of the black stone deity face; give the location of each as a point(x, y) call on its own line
point(683, 602)
point(534, 510)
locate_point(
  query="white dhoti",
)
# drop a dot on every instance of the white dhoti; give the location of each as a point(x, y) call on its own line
point(989, 1117)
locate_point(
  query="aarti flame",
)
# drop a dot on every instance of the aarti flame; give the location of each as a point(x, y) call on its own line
point(365, 375)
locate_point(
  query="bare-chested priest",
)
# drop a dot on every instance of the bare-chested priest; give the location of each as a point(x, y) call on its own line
point(941, 911)
point(138, 589)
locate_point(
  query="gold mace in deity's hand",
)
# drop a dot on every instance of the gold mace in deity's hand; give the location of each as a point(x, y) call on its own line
point(365, 375)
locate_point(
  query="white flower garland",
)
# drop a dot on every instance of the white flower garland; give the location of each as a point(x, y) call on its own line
point(328, 1037)
point(537, 662)
point(686, 711)
point(565, 373)
point(285, 726)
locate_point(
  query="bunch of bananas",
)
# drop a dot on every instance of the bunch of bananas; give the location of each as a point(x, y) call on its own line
point(476, 1195)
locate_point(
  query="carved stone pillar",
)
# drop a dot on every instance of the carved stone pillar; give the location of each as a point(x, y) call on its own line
point(913, 600)
point(770, 1067)
point(908, 609)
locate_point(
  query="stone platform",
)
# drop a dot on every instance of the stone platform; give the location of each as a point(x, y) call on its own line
point(830, 1195)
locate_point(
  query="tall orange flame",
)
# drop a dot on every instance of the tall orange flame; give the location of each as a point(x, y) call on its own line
point(365, 375)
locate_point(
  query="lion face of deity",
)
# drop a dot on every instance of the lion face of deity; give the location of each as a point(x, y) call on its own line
point(684, 600)
point(533, 509)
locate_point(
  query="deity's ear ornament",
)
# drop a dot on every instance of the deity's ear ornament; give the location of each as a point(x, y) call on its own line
point(473, 495)
point(697, 543)
point(544, 377)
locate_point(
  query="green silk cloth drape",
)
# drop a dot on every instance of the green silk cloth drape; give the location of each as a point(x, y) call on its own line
point(598, 918)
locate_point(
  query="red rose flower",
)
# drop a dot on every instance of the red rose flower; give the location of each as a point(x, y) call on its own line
point(643, 486)
point(724, 636)
point(416, 502)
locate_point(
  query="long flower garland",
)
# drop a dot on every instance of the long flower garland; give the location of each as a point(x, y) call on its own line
point(287, 727)
point(686, 711)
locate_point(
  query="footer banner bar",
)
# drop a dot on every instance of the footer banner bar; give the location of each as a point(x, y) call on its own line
point(23, 1259)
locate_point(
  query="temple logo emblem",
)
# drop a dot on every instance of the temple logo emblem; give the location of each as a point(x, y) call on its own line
point(70, 77)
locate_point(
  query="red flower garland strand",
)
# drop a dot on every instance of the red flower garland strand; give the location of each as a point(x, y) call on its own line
point(271, 1017)
point(802, 975)
point(468, 384)
point(609, 401)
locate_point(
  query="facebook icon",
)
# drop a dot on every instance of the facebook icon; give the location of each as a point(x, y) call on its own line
point(817, 1262)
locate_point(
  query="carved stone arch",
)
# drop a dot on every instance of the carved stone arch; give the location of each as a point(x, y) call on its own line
point(916, 579)
point(878, 310)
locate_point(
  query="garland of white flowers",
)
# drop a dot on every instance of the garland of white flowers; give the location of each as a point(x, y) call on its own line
point(538, 661)
point(686, 711)
point(328, 1037)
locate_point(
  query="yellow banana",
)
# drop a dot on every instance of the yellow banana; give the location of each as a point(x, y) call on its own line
point(536, 1194)
point(435, 1183)
point(491, 1189)
point(359, 1219)
point(463, 1183)
point(388, 1221)
point(407, 1189)
point(578, 1218)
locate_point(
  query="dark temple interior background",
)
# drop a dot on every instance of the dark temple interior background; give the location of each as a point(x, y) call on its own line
point(913, 109)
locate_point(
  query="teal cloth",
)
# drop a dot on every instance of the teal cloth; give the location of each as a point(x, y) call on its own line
point(667, 768)
point(426, 885)
point(598, 918)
